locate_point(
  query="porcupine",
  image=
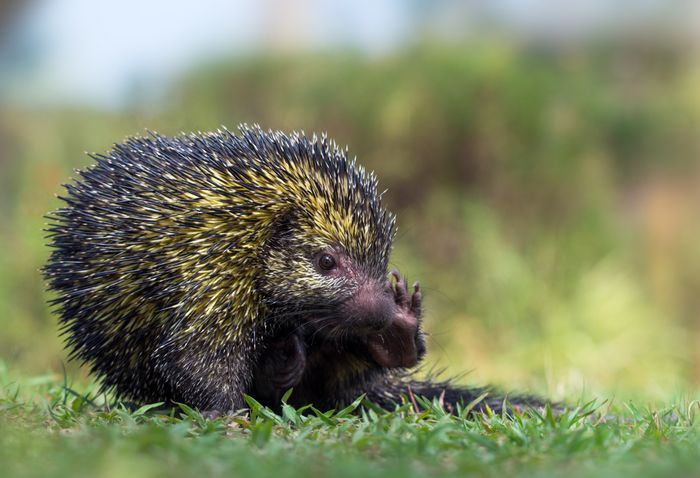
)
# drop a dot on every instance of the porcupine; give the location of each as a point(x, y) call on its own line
point(203, 267)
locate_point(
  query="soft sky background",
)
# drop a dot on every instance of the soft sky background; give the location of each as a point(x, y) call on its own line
point(101, 52)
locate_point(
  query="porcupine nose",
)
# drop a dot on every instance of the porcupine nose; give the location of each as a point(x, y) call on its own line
point(373, 306)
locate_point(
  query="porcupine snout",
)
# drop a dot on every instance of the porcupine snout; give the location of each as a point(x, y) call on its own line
point(371, 309)
point(391, 331)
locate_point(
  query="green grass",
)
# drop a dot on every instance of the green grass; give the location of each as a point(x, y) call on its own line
point(48, 429)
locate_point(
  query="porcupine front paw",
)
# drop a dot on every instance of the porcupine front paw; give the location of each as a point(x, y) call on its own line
point(290, 363)
point(402, 344)
point(410, 310)
point(280, 368)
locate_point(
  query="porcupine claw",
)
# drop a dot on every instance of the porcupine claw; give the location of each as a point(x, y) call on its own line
point(400, 345)
point(417, 300)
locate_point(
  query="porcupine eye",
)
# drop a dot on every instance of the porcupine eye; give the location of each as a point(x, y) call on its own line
point(326, 262)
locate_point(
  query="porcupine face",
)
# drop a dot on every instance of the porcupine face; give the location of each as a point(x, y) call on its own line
point(326, 262)
point(323, 285)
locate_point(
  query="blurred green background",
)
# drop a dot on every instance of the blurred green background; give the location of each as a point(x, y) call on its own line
point(544, 163)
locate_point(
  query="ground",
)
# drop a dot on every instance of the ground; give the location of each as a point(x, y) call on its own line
point(49, 428)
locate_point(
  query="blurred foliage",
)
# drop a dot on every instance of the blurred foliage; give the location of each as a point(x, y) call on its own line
point(49, 429)
point(545, 198)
